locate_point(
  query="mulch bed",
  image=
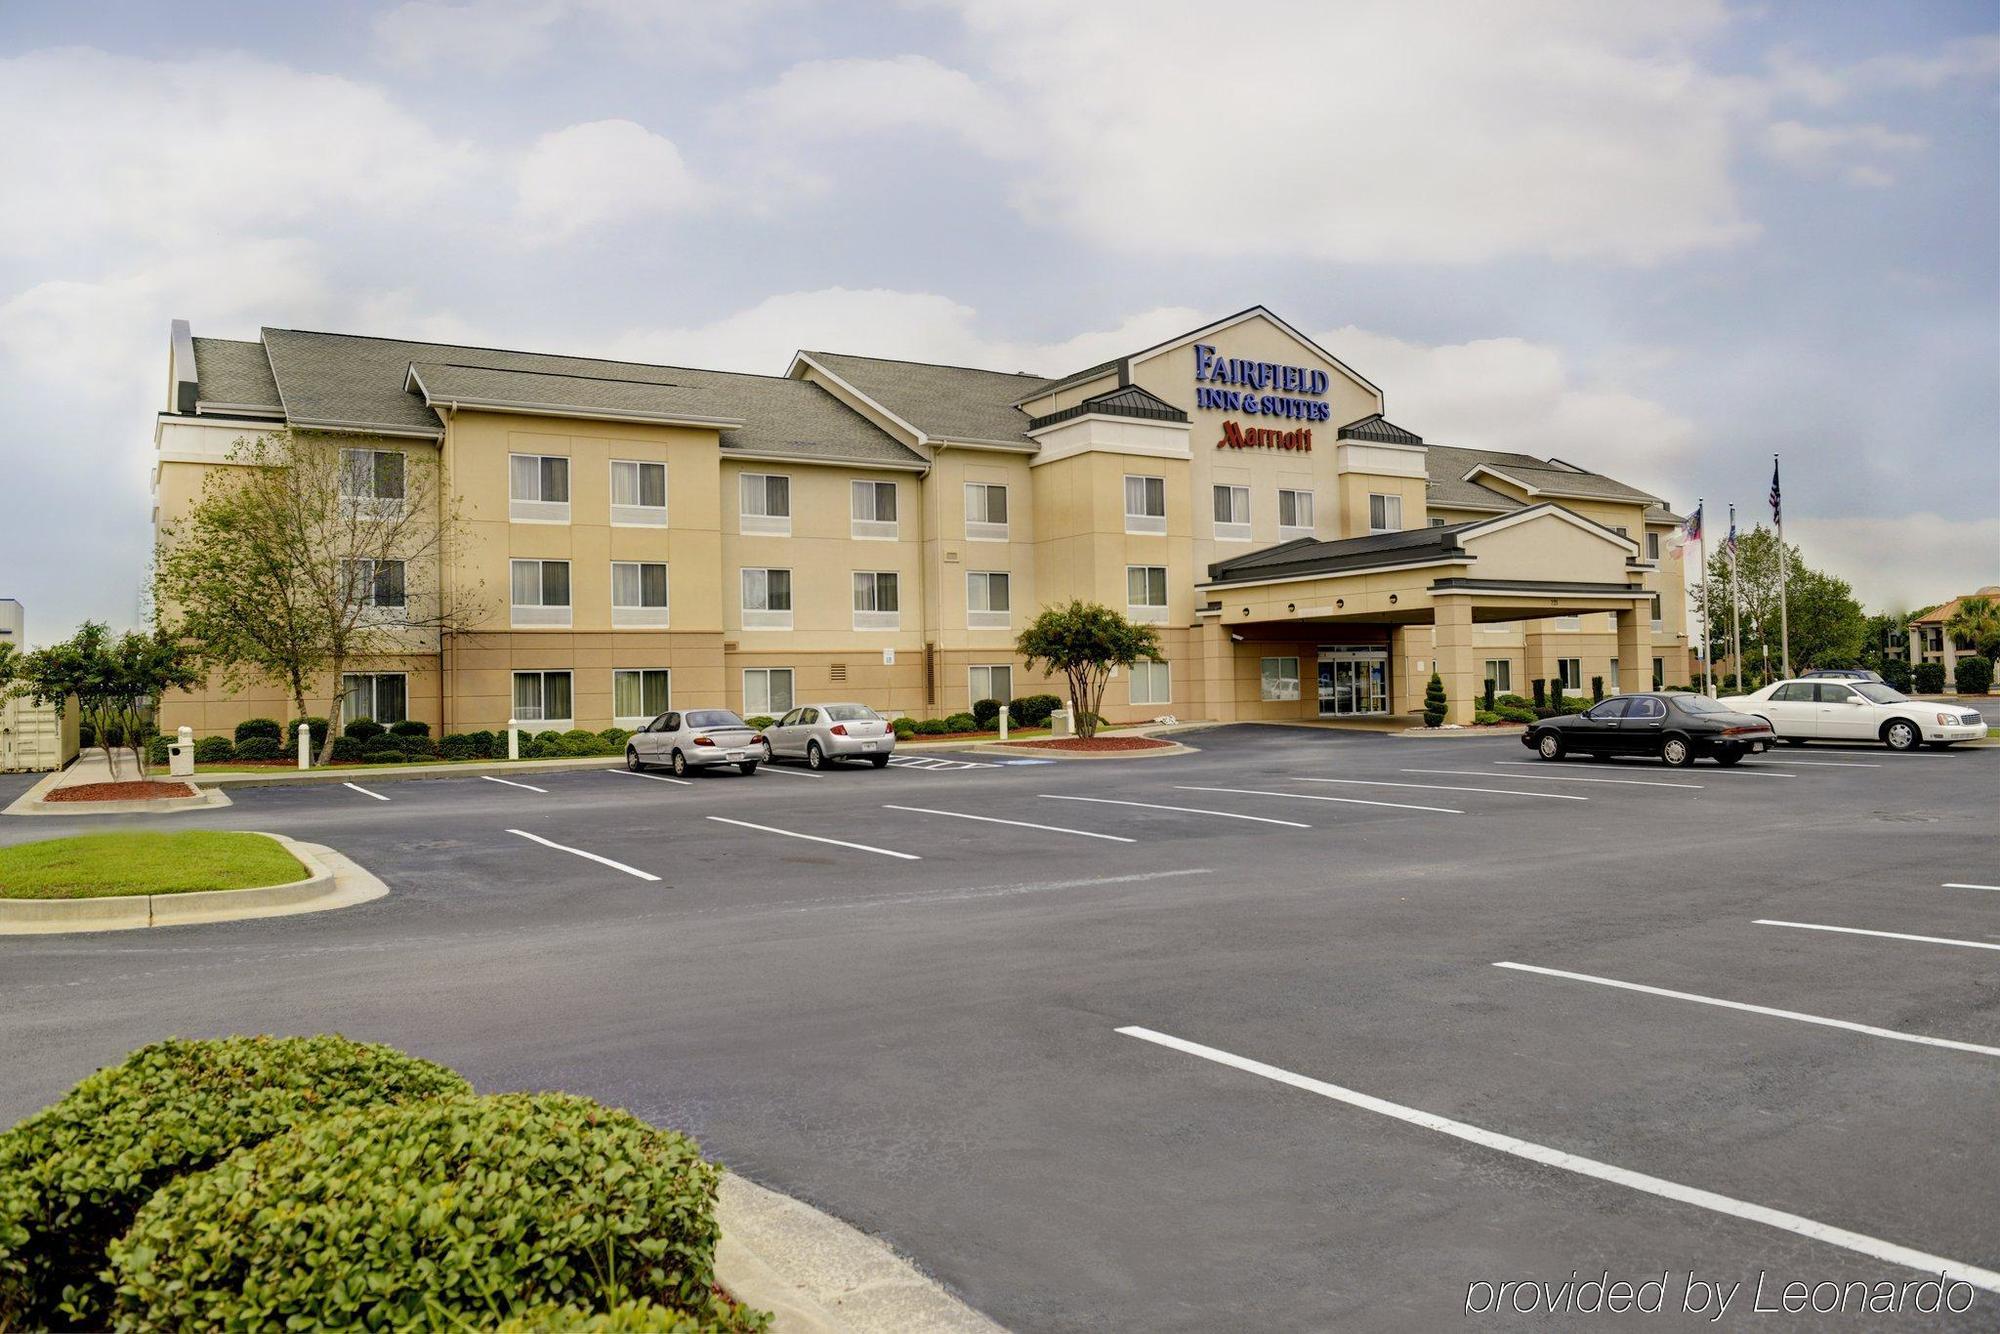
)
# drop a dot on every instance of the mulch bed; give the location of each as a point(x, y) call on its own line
point(127, 791)
point(1096, 744)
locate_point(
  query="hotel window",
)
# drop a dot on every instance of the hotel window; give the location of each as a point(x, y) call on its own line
point(1659, 673)
point(1569, 671)
point(371, 480)
point(639, 593)
point(1145, 504)
point(1232, 514)
point(639, 695)
point(1500, 671)
point(377, 583)
point(1146, 592)
point(1295, 513)
point(1621, 530)
point(875, 601)
point(537, 488)
point(1569, 622)
point(767, 599)
point(1616, 689)
point(1152, 683)
point(382, 697)
point(1652, 546)
point(985, 512)
point(542, 697)
point(996, 682)
point(987, 604)
point(767, 691)
point(874, 505)
point(1437, 523)
point(1385, 514)
point(1658, 624)
point(767, 503)
point(638, 494)
point(540, 592)
point(1279, 679)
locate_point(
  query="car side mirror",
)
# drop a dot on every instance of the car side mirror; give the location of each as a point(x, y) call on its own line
point(1856, 699)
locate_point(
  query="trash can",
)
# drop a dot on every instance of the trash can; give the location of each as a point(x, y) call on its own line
point(180, 755)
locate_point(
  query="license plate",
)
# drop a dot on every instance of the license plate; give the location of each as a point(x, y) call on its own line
point(1756, 748)
point(734, 755)
point(870, 745)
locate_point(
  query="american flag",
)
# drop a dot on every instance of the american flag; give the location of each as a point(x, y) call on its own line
point(1731, 543)
point(1777, 511)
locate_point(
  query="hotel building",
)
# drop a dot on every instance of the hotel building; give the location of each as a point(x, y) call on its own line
point(879, 530)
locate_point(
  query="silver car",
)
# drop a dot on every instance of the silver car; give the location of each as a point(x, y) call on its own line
point(696, 739)
point(822, 733)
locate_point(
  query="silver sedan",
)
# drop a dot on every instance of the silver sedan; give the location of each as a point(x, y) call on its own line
point(696, 739)
point(822, 733)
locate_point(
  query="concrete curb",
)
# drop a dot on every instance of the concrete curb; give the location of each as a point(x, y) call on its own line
point(204, 798)
point(818, 1275)
point(1436, 733)
point(332, 881)
point(1047, 753)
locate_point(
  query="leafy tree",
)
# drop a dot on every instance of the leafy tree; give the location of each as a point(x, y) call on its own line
point(1885, 639)
point(1826, 624)
point(1975, 623)
point(115, 682)
point(1436, 705)
point(1084, 641)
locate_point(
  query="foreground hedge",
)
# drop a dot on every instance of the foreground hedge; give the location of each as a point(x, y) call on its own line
point(73, 1176)
point(453, 1213)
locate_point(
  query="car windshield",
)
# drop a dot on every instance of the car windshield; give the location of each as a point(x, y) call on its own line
point(1876, 693)
point(713, 718)
point(1702, 704)
point(850, 713)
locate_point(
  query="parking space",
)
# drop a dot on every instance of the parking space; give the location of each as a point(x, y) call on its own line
point(1350, 1023)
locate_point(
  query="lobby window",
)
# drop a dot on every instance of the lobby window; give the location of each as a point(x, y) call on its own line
point(371, 480)
point(988, 604)
point(1232, 514)
point(767, 691)
point(1278, 679)
point(876, 605)
point(639, 593)
point(383, 697)
point(767, 503)
point(638, 695)
point(1659, 673)
point(1652, 546)
point(1295, 513)
point(1145, 504)
point(542, 697)
point(377, 584)
point(537, 488)
point(767, 599)
point(1569, 671)
point(985, 512)
point(1385, 514)
point(994, 682)
point(1500, 671)
point(1658, 624)
point(1152, 683)
point(874, 506)
point(1146, 592)
point(540, 593)
point(638, 494)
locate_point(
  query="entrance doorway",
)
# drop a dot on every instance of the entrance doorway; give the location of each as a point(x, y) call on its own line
point(1353, 682)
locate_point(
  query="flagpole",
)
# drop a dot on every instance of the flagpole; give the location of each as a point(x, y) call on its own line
point(1707, 640)
point(1784, 559)
point(1735, 610)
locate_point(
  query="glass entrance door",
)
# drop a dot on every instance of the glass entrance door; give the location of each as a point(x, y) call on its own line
point(1353, 682)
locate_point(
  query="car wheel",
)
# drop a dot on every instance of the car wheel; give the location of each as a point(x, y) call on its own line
point(815, 757)
point(1677, 751)
point(1549, 746)
point(680, 765)
point(1725, 758)
point(632, 760)
point(1901, 734)
point(747, 768)
point(879, 761)
point(767, 752)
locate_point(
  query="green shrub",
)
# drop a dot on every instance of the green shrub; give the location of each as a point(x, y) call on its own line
point(410, 727)
point(1513, 702)
point(1928, 678)
point(615, 737)
point(458, 746)
point(1596, 689)
point(363, 730)
point(487, 745)
point(635, 1316)
point(760, 721)
point(72, 1176)
point(383, 750)
point(86, 734)
point(1485, 717)
point(1435, 703)
point(214, 750)
point(1542, 692)
point(1517, 713)
point(318, 726)
point(1973, 675)
point(1896, 673)
point(264, 727)
point(452, 1213)
point(414, 747)
point(579, 742)
point(930, 727)
point(904, 728)
point(986, 712)
point(1032, 710)
point(346, 750)
point(260, 748)
point(1488, 704)
point(156, 750)
point(961, 722)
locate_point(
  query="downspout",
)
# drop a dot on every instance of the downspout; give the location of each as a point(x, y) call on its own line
point(444, 566)
point(924, 661)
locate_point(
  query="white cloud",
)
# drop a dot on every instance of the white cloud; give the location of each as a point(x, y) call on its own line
point(489, 37)
point(494, 36)
point(1904, 561)
point(825, 99)
point(1853, 152)
point(601, 172)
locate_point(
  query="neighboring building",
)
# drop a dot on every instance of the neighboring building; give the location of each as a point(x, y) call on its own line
point(1930, 643)
point(13, 624)
point(881, 530)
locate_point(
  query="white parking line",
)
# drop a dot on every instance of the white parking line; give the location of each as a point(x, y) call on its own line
point(1560, 778)
point(1869, 1029)
point(1019, 824)
point(365, 792)
point(1184, 810)
point(815, 838)
point(938, 762)
point(1718, 768)
point(1445, 787)
point(1822, 764)
point(1886, 935)
point(1306, 796)
point(587, 856)
point(511, 783)
point(1958, 885)
point(791, 773)
point(1860, 1243)
point(657, 778)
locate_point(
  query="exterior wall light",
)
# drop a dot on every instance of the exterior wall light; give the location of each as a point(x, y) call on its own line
point(1392, 599)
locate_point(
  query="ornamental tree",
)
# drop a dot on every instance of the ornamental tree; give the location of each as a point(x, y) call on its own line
point(1436, 704)
point(1083, 641)
point(115, 682)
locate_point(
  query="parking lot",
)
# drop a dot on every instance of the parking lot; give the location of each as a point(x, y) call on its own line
point(1328, 1027)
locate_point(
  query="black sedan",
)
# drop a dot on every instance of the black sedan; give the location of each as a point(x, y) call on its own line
point(1677, 728)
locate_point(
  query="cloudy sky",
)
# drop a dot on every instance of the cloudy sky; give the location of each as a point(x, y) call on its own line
point(1662, 240)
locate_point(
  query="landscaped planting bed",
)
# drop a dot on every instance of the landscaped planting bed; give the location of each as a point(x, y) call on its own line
point(129, 790)
point(115, 865)
point(1098, 745)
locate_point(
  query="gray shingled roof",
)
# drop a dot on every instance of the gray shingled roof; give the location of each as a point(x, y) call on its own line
point(948, 402)
point(1380, 430)
point(443, 382)
point(1128, 401)
point(1308, 555)
point(1571, 481)
point(228, 370)
point(1084, 376)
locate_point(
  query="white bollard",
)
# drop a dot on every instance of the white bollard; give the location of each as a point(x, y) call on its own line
point(305, 746)
point(513, 738)
point(1003, 721)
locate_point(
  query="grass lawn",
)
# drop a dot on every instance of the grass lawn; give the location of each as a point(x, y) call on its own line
point(103, 865)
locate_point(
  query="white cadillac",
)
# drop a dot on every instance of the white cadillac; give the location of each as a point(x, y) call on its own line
point(1823, 710)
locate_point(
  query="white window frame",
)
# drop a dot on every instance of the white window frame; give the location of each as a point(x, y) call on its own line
point(1295, 528)
point(1232, 529)
point(374, 688)
point(1500, 671)
point(538, 508)
point(365, 578)
point(1658, 623)
point(988, 617)
point(764, 678)
point(1143, 520)
point(1391, 510)
point(1275, 694)
point(371, 502)
point(1652, 546)
point(984, 528)
point(972, 675)
point(1151, 613)
point(762, 520)
point(873, 616)
point(1159, 683)
point(765, 617)
point(542, 614)
point(864, 507)
point(1570, 667)
point(638, 515)
point(545, 723)
point(632, 722)
point(641, 615)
